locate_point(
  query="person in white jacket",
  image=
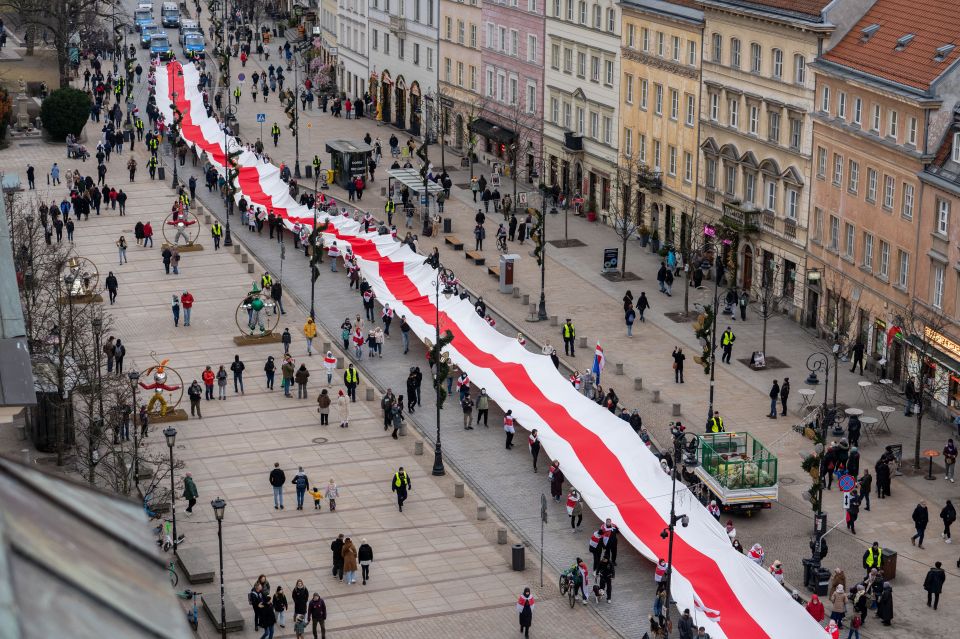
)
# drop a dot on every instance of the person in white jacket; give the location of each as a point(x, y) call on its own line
point(343, 410)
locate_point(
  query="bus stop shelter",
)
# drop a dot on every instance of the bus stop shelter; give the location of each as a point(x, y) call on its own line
point(413, 181)
point(348, 160)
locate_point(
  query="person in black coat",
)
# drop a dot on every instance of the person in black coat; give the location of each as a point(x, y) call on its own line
point(883, 478)
point(365, 557)
point(933, 584)
point(336, 547)
point(605, 574)
point(112, 286)
point(277, 480)
point(268, 618)
point(885, 604)
point(300, 595)
point(853, 462)
point(920, 520)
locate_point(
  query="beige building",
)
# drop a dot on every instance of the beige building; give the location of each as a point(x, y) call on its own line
point(460, 42)
point(661, 47)
point(756, 131)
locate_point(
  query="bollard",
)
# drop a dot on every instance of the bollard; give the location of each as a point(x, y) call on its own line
point(516, 291)
point(369, 396)
point(481, 511)
point(533, 309)
point(206, 219)
point(402, 432)
point(457, 487)
point(244, 258)
point(249, 267)
point(676, 410)
point(326, 347)
point(502, 535)
point(656, 395)
point(524, 299)
point(553, 321)
point(340, 362)
point(236, 248)
point(583, 342)
point(418, 448)
point(619, 368)
point(638, 383)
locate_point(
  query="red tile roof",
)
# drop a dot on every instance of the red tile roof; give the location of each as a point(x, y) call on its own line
point(806, 7)
point(934, 23)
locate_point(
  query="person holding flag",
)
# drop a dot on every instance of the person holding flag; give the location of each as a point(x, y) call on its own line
point(598, 363)
point(330, 363)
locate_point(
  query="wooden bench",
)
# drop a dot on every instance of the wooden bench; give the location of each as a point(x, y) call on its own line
point(196, 565)
point(453, 241)
point(494, 271)
point(476, 256)
point(233, 618)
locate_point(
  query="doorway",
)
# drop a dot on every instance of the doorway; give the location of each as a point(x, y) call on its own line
point(747, 276)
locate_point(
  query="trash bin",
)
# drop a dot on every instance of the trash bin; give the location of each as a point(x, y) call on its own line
point(889, 565)
point(822, 582)
point(506, 272)
point(161, 173)
point(519, 558)
point(308, 172)
point(447, 225)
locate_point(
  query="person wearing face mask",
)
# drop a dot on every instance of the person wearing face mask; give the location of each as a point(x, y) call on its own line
point(483, 407)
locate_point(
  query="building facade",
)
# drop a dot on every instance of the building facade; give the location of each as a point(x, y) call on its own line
point(402, 62)
point(352, 47)
point(460, 67)
point(581, 100)
point(660, 85)
point(329, 21)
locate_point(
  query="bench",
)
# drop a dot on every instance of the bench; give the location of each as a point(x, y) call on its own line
point(453, 241)
point(196, 565)
point(233, 619)
point(476, 256)
point(494, 271)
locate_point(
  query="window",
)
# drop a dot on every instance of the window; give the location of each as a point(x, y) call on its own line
point(936, 297)
point(956, 148)
point(568, 60)
point(627, 142)
point(906, 207)
point(849, 238)
point(447, 69)
point(416, 53)
point(716, 49)
point(460, 74)
point(401, 42)
point(857, 110)
point(531, 98)
point(889, 186)
point(675, 46)
point(556, 8)
point(943, 216)
point(597, 16)
point(645, 39)
point(608, 68)
point(375, 41)
point(594, 68)
point(580, 120)
point(715, 106)
point(658, 99)
point(631, 35)
point(491, 36)
point(642, 147)
point(853, 177)
point(821, 162)
point(903, 260)
point(871, 185)
point(473, 78)
point(825, 99)
point(644, 91)
point(660, 43)
point(532, 6)
point(691, 110)
point(674, 103)
point(583, 12)
point(711, 173)
point(799, 69)
point(687, 167)
point(796, 133)
point(793, 203)
point(628, 87)
point(386, 44)
point(735, 53)
point(730, 186)
point(607, 130)
point(656, 154)
point(461, 32)
point(756, 58)
point(448, 22)
point(734, 113)
point(883, 265)
point(837, 169)
point(672, 160)
point(566, 116)
point(490, 86)
point(611, 20)
point(842, 105)
point(514, 42)
point(554, 110)
point(892, 124)
point(875, 127)
point(691, 53)
point(834, 233)
point(868, 251)
point(750, 187)
point(772, 195)
point(555, 56)
point(581, 64)
point(570, 10)
point(773, 126)
point(912, 132)
point(818, 225)
point(777, 64)
point(754, 119)
point(514, 91)
point(531, 48)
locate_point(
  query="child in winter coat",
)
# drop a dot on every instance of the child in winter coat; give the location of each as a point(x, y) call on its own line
point(332, 493)
point(300, 626)
point(317, 496)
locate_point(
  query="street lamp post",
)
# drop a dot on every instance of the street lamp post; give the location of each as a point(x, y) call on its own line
point(134, 377)
point(542, 306)
point(717, 274)
point(175, 140)
point(219, 505)
point(446, 277)
point(171, 435)
point(225, 78)
point(685, 453)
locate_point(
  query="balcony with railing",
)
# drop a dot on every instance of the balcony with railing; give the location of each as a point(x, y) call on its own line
point(739, 218)
point(650, 180)
point(398, 25)
point(572, 142)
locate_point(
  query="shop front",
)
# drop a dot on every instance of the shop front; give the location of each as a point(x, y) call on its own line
point(935, 359)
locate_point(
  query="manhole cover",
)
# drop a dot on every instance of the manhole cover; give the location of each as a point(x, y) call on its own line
point(320, 440)
point(787, 481)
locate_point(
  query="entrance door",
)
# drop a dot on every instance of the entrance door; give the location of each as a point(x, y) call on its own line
point(747, 277)
point(459, 135)
point(813, 307)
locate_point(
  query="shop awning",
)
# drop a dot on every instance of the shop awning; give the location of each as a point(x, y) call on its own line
point(492, 130)
point(930, 350)
point(412, 179)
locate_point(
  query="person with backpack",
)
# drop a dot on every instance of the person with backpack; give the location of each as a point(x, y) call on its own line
point(119, 351)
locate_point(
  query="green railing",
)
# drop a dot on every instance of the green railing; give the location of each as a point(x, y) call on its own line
point(738, 460)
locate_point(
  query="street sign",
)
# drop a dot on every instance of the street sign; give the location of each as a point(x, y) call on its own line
point(846, 483)
point(241, 77)
point(261, 117)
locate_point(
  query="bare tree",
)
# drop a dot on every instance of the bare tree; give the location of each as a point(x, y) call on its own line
point(769, 296)
point(526, 127)
point(693, 242)
point(626, 211)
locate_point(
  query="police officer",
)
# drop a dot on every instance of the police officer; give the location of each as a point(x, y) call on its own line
point(236, 95)
point(316, 165)
point(389, 208)
point(152, 167)
point(275, 132)
point(217, 232)
point(351, 380)
point(401, 484)
point(266, 281)
point(569, 335)
point(726, 341)
point(715, 424)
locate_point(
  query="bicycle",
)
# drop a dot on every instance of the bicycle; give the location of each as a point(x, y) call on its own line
point(568, 587)
point(172, 570)
point(502, 244)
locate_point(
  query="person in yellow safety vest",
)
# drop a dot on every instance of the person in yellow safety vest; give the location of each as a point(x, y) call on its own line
point(715, 425)
point(316, 164)
point(217, 232)
point(152, 167)
point(351, 380)
point(389, 208)
point(726, 341)
point(873, 558)
point(139, 126)
point(569, 335)
point(236, 95)
point(185, 199)
point(275, 132)
point(266, 281)
point(153, 145)
point(401, 484)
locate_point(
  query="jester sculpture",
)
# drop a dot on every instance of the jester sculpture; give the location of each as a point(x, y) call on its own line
point(179, 218)
point(158, 375)
point(257, 305)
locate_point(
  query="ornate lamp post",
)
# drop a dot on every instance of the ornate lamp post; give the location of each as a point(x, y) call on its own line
point(447, 279)
point(219, 505)
point(171, 435)
point(684, 452)
point(134, 377)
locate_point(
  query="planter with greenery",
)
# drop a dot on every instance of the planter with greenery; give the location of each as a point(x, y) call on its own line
point(65, 111)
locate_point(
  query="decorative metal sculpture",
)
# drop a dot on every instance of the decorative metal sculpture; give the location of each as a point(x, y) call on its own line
point(257, 305)
point(160, 381)
point(80, 277)
point(185, 225)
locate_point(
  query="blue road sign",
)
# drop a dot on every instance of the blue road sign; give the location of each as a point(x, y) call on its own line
point(846, 483)
point(261, 117)
point(241, 77)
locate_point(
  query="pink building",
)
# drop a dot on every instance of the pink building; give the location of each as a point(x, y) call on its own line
point(512, 84)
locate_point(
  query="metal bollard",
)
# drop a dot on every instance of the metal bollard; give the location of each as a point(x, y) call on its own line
point(340, 362)
point(516, 291)
point(583, 342)
point(553, 321)
point(524, 299)
point(369, 396)
point(326, 347)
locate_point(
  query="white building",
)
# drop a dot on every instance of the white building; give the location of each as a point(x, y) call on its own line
point(581, 98)
point(328, 31)
point(403, 60)
point(352, 67)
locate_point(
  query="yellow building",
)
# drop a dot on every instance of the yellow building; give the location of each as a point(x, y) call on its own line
point(660, 110)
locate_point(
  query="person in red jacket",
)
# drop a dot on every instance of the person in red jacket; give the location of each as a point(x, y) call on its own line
point(147, 235)
point(186, 302)
point(208, 379)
